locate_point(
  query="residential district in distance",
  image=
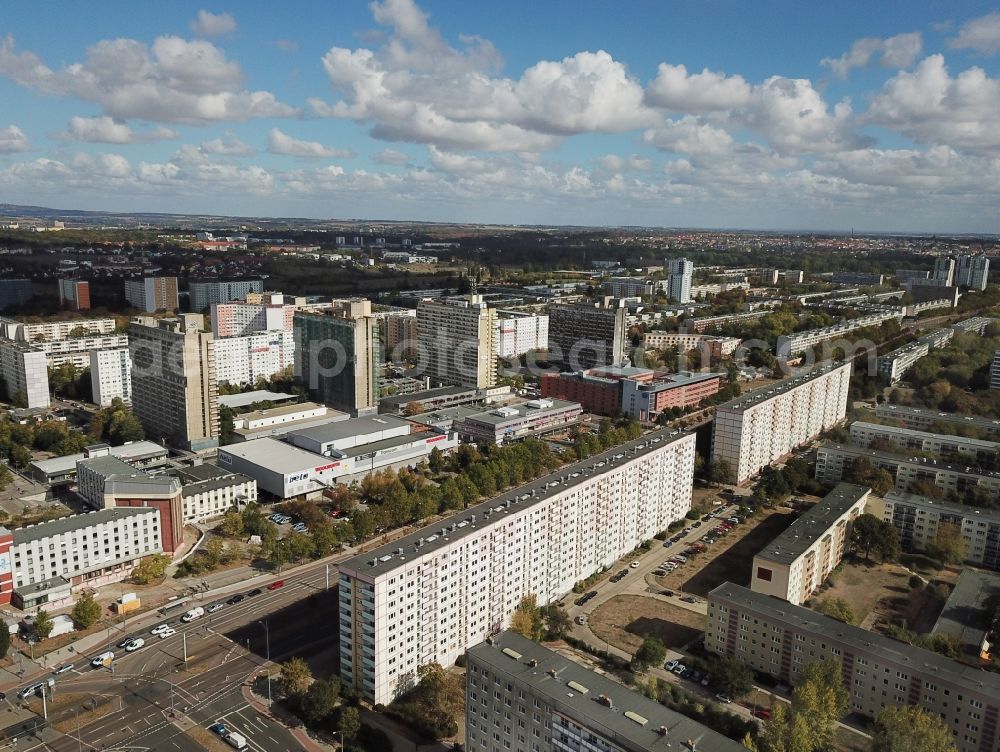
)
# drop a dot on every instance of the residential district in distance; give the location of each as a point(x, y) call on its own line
point(377, 486)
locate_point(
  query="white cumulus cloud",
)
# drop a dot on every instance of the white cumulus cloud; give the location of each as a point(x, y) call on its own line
point(390, 157)
point(12, 139)
point(106, 130)
point(980, 34)
point(900, 51)
point(279, 142)
point(676, 90)
point(172, 81)
point(209, 24)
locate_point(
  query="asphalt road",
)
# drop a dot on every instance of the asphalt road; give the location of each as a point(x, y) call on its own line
point(225, 651)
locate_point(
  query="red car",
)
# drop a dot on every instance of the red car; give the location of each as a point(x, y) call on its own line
point(763, 713)
point(276, 584)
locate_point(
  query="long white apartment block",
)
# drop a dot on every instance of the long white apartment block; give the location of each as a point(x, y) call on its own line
point(918, 520)
point(110, 375)
point(958, 448)
point(798, 561)
point(50, 331)
point(894, 365)
point(243, 360)
point(776, 638)
point(518, 332)
point(759, 427)
point(793, 344)
point(432, 594)
point(834, 461)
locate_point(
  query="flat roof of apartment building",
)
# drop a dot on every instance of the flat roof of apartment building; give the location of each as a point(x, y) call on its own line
point(960, 510)
point(899, 431)
point(905, 411)
point(622, 715)
point(902, 459)
point(814, 523)
point(964, 615)
point(73, 522)
point(275, 455)
point(438, 535)
point(764, 393)
point(802, 619)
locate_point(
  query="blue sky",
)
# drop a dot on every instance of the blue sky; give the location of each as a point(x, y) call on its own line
point(878, 116)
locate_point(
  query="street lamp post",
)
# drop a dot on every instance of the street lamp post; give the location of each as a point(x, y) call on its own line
point(267, 652)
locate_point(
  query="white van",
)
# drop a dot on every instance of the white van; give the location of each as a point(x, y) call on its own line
point(237, 741)
point(104, 659)
point(193, 614)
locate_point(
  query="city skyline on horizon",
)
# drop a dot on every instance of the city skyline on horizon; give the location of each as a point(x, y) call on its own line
point(708, 117)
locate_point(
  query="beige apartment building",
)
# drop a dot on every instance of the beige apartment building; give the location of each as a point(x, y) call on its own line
point(798, 561)
point(779, 639)
point(174, 388)
point(457, 343)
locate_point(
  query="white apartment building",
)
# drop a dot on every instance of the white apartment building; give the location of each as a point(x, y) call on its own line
point(757, 428)
point(798, 561)
point(215, 494)
point(243, 360)
point(995, 371)
point(944, 270)
point(203, 293)
point(92, 549)
point(894, 365)
point(76, 350)
point(430, 595)
point(518, 332)
point(152, 294)
point(924, 419)
point(627, 287)
point(918, 519)
point(972, 272)
point(457, 342)
point(779, 639)
point(110, 375)
point(240, 319)
point(834, 461)
point(680, 272)
point(793, 344)
point(683, 342)
point(25, 374)
point(50, 331)
point(957, 448)
point(509, 423)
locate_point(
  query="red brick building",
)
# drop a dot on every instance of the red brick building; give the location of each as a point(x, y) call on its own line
point(598, 390)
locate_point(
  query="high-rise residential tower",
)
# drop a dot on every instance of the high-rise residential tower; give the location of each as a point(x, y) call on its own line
point(174, 389)
point(457, 343)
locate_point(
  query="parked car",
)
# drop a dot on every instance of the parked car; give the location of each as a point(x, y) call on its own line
point(670, 665)
point(689, 599)
point(581, 619)
point(762, 713)
point(634, 564)
point(668, 593)
point(722, 697)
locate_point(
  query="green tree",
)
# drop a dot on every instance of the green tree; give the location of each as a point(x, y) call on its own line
point(869, 533)
point(4, 641)
point(232, 524)
point(320, 700)
point(527, 618)
point(820, 699)
point(6, 477)
point(911, 729)
point(948, 544)
point(213, 551)
point(324, 540)
point(557, 622)
point(731, 676)
point(836, 608)
point(43, 624)
point(348, 722)
point(652, 652)
point(277, 554)
point(295, 677)
point(436, 460)
point(434, 705)
point(86, 611)
point(226, 424)
point(150, 569)
point(784, 731)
